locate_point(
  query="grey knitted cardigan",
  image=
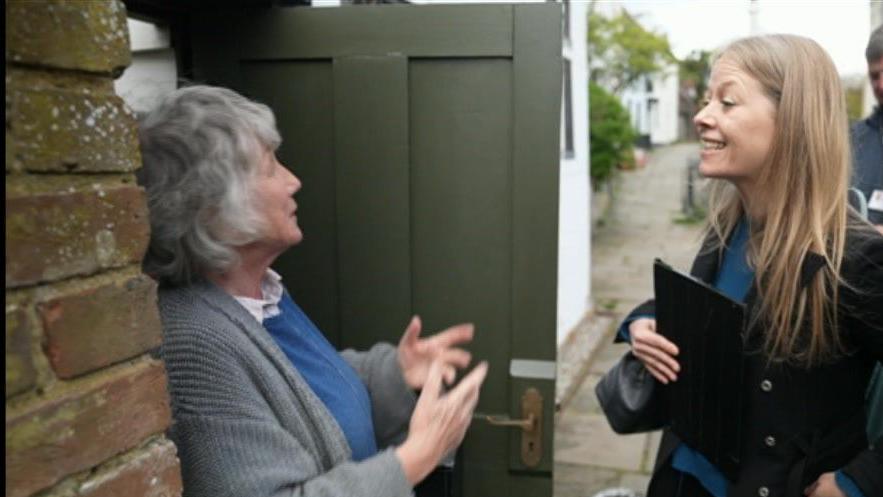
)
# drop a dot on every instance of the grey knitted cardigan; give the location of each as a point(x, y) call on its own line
point(247, 424)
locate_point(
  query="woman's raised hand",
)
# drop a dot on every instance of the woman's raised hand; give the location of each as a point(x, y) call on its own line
point(654, 350)
point(417, 354)
point(440, 420)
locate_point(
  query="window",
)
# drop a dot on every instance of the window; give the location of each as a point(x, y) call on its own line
point(567, 104)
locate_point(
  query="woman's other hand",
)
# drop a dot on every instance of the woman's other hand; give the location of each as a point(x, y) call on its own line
point(654, 350)
point(825, 486)
point(440, 420)
point(417, 354)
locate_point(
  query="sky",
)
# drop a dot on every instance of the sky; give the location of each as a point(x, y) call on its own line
point(842, 27)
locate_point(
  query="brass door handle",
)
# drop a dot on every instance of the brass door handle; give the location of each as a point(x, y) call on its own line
point(531, 426)
point(528, 424)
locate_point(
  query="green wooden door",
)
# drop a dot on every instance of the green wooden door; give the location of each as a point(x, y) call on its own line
point(427, 141)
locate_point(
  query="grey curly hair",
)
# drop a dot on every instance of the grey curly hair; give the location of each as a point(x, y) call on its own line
point(201, 148)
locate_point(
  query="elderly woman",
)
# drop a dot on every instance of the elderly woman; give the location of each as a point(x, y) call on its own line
point(262, 403)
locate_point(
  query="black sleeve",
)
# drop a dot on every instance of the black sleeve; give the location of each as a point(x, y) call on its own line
point(863, 312)
point(861, 298)
point(866, 469)
point(648, 308)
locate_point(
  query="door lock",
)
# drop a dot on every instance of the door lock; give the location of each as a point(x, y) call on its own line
point(531, 426)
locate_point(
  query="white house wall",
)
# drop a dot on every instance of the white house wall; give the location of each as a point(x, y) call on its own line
point(659, 121)
point(574, 226)
point(634, 99)
point(153, 71)
point(664, 118)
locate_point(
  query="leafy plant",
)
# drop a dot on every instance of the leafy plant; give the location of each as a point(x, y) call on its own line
point(621, 51)
point(694, 71)
point(611, 135)
point(609, 304)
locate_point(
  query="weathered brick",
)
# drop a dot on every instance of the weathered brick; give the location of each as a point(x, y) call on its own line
point(10, 156)
point(68, 34)
point(83, 423)
point(152, 472)
point(94, 327)
point(20, 372)
point(59, 122)
point(63, 226)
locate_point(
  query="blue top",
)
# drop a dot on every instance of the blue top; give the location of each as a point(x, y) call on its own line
point(332, 379)
point(733, 279)
point(734, 276)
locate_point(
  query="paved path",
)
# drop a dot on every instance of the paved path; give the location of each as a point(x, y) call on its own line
point(640, 226)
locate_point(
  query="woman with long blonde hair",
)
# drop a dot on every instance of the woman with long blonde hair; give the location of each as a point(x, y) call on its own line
point(782, 239)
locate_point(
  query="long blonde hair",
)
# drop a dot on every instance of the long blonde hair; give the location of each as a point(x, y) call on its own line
point(804, 181)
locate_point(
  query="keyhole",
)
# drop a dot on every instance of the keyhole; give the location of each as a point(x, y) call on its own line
point(530, 446)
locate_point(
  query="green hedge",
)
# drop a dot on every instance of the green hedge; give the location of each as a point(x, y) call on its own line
point(610, 133)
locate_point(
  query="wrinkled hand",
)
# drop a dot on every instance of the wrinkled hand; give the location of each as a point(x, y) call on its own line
point(654, 350)
point(825, 486)
point(416, 354)
point(439, 421)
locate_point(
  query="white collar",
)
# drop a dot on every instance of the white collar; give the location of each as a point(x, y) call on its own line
point(271, 293)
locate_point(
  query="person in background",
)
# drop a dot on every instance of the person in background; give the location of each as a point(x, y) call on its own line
point(263, 405)
point(867, 153)
point(782, 239)
point(867, 137)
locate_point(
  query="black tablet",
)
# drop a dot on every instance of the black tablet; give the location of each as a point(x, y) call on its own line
point(706, 401)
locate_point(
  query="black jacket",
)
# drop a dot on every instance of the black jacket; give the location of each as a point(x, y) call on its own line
point(799, 423)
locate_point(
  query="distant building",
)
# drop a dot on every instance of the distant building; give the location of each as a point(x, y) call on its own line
point(687, 108)
point(652, 103)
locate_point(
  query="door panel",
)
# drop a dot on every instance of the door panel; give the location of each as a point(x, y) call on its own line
point(426, 138)
point(418, 31)
point(373, 197)
point(298, 92)
point(461, 182)
point(461, 166)
point(535, 180)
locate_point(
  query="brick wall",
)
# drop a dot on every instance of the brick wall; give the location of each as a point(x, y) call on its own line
point(86, 406)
